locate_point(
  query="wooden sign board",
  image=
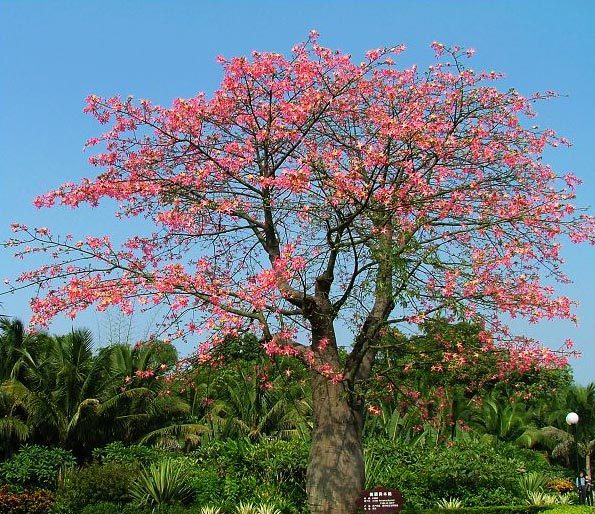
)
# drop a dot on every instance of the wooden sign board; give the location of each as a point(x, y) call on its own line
point(380, 501)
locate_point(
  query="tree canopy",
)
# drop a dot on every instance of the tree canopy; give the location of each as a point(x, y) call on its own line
point(310, 190)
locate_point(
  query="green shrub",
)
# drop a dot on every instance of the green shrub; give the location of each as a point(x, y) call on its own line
point(508, 509)
point(25, 502)
point(206, 486)
point(569, 509)
point(497, 496)
point(232, 454)
point(134, 453)
point(96, 483)
point(102, 508)
point(167, 482)
point(177, 509)
point(528, 460)
point(133, 509)
point(478, 473)
point(270, 471)
point(36, 467)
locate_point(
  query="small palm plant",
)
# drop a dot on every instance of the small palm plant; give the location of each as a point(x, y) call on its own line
point(532, 483)
point(163, 483)
point(210, 510)
point(449, 504)
point(267, 508)
point(564, 499)
point(245, 508)
point(541, 499)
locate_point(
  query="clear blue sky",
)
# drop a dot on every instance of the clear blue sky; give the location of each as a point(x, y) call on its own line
point(53, 54)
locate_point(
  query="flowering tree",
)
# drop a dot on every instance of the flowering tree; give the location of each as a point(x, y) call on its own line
point(311, 191)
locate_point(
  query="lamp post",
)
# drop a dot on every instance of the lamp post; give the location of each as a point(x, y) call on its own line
point(572, 420)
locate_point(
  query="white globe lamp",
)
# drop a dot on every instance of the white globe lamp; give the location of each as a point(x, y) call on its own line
point(572, 418)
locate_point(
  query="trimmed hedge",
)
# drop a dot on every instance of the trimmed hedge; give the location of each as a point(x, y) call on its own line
point(572, 509)
point(506, 509)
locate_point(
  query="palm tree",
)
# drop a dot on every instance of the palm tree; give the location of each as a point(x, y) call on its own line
point(557, 438)
point(65, 395)
point(503, 420)
point(14, 341)
point(132, 361)
point(248, 406)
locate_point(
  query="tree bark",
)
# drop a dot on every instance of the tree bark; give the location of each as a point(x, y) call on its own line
point(335, 476)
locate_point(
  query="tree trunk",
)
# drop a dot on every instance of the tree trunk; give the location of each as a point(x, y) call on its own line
point(335, 476)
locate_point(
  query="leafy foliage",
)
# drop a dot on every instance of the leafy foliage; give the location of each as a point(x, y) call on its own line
point(36, 466)
point(476, 472)
point(449, 503)
point(133, 453)
point(96, 483)
point(532, 483)
point(25, 502)
point(163, 483)
point(101, 508)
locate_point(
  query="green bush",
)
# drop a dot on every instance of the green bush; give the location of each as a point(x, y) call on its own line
point(206, 486)
point(96, 483)
point(36, 467)
point(508, 509)
point(102, 508)
point(25, 502)
point(478, 473)
point(495, 496)
point(529, 460)
point(133, 509)
point(571, 509)
point(134, 453)
point(237, 470)
point(232, 454)
point(177, 509)
point(114, 508)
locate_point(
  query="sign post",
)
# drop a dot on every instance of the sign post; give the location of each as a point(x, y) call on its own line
point(380, 501)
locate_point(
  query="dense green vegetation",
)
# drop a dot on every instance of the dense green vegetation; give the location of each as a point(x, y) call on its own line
point(124, 429)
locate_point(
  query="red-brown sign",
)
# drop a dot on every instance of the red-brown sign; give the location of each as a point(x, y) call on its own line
point(380, 501)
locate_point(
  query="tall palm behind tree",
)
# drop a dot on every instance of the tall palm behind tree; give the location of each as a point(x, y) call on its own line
point(15, 341)
point(66, 395)
point(501, 419)
point(560, 440)
point(60, 389)
point(248, 406)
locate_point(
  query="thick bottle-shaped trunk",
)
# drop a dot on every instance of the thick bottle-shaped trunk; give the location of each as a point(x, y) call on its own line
point(335, 475)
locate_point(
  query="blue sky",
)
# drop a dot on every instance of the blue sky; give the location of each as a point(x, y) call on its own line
point(53, 54)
